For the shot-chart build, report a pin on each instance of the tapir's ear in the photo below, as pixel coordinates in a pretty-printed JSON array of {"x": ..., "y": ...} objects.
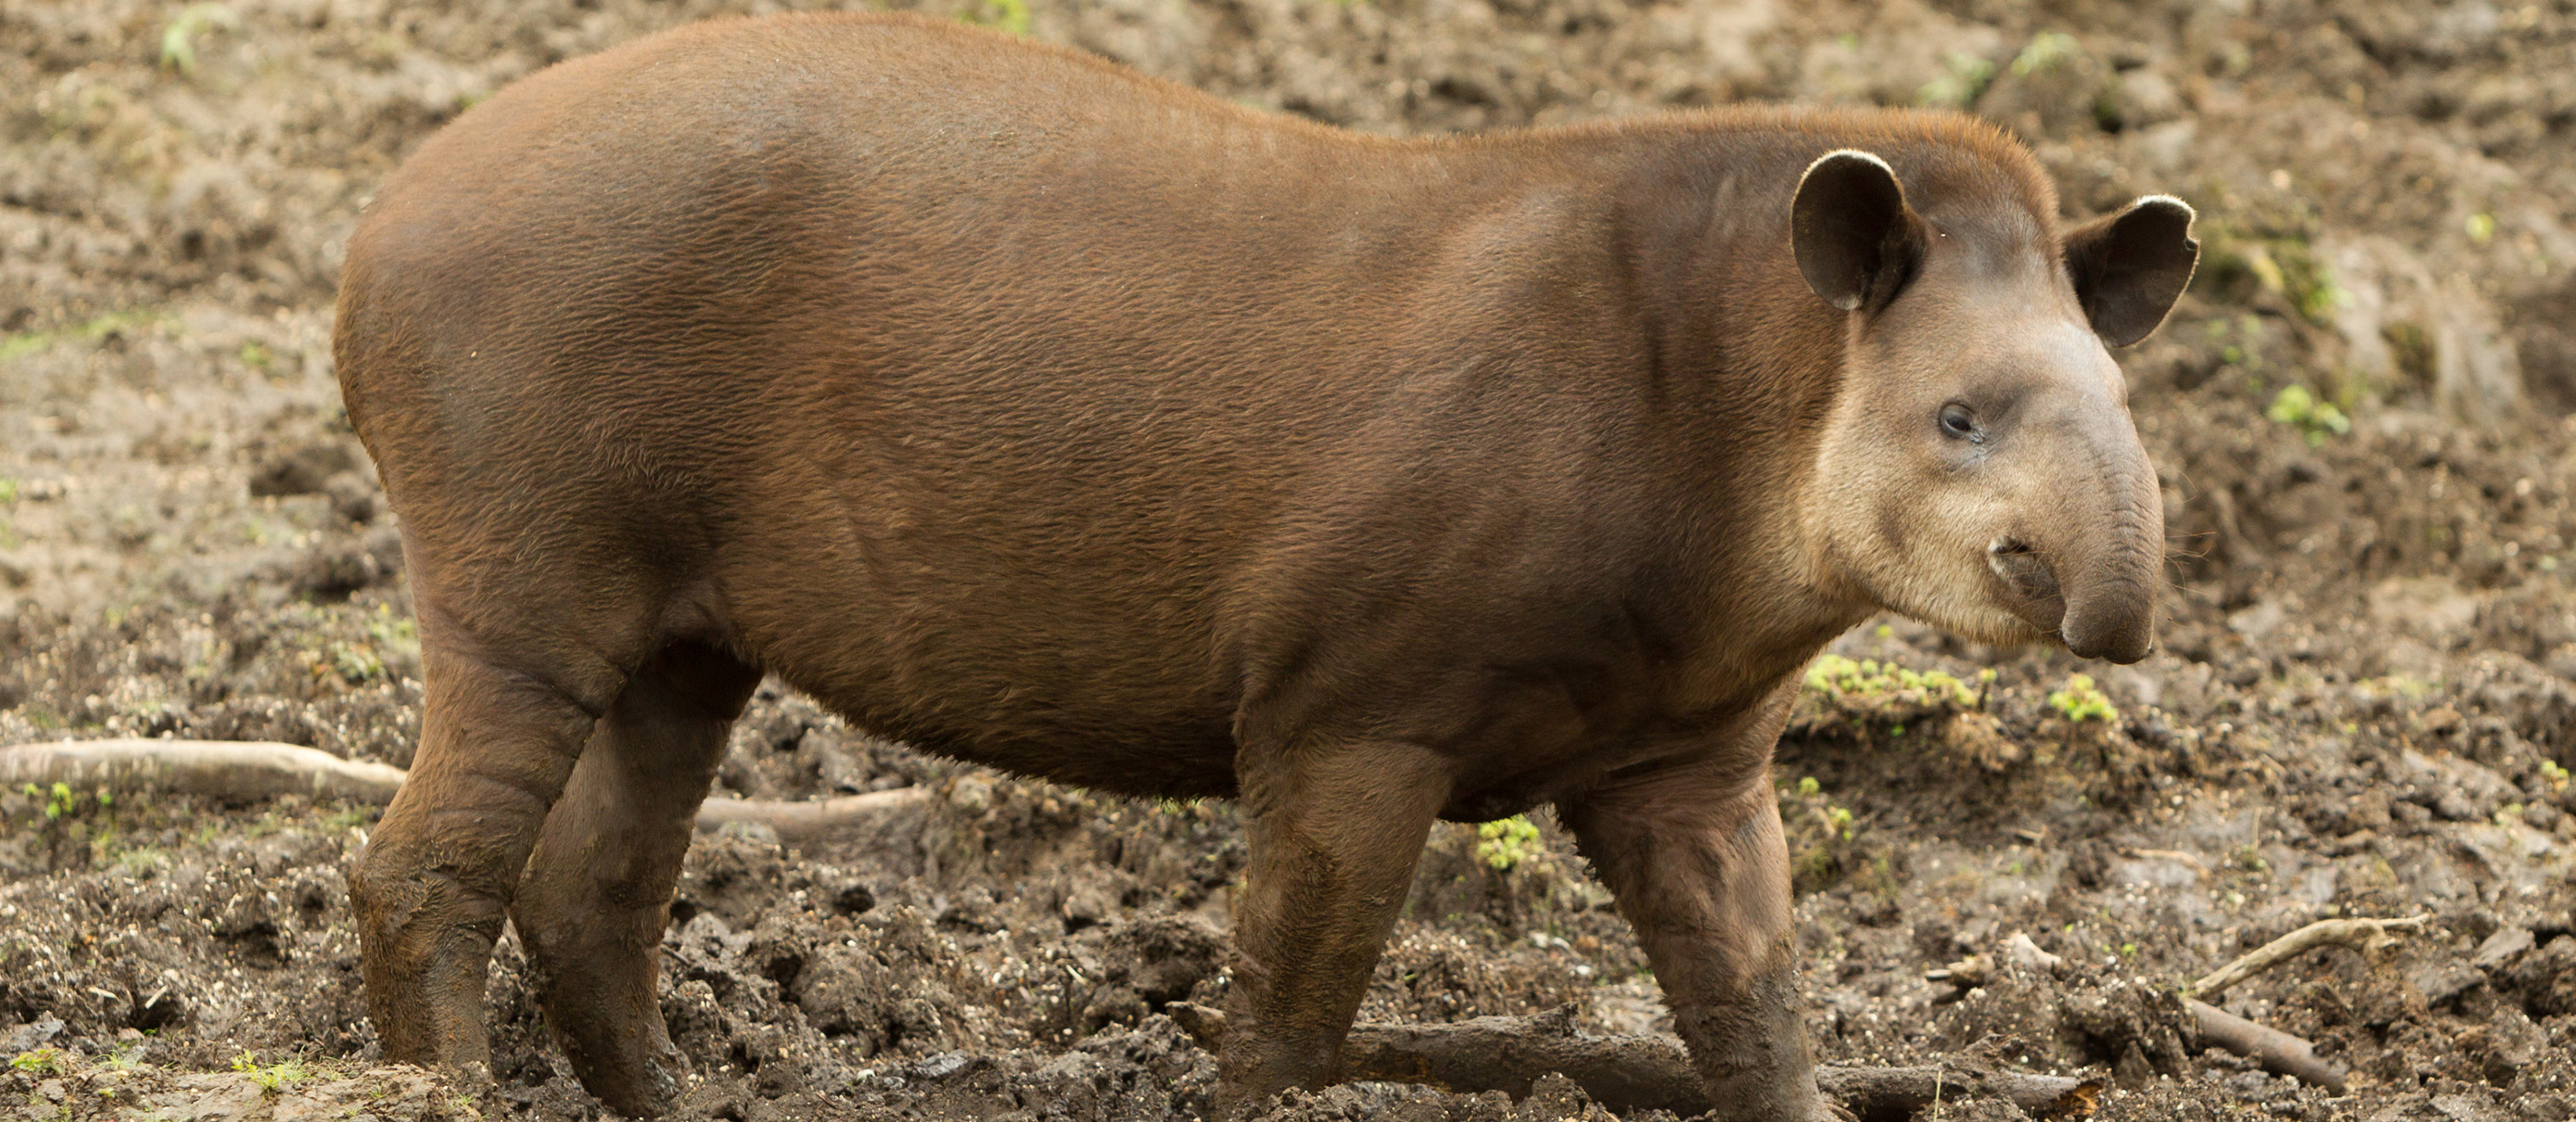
[
  {"x": 1856, "y": 242},
  {"x": 2130, "y": 267}
]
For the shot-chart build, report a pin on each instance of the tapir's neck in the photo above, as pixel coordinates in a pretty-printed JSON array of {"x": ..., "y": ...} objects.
[{"x": 1750, "y": 363}]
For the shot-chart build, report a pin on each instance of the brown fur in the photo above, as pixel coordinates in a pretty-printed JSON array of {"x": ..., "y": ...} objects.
[{"x": 1050, "y": 416}]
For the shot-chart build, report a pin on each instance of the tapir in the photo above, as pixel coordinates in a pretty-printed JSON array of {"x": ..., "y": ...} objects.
[{"x": 1049, "y": 416}]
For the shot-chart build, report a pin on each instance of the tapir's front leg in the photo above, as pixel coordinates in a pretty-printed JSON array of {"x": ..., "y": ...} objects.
[
  {"x": 1693, "y": 851},
  {"x": 1334, "y": 832}
]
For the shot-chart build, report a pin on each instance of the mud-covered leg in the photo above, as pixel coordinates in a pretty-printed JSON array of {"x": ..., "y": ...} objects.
[
  {"x": 1334, "y": 837},
  {"x": 430, "y": 895},
  {"x": 1694, "y": 855},
  {"x": 597, "y": 893}
]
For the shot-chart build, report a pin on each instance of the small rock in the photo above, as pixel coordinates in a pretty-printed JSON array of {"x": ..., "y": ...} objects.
[
  {"x": 2501, "y": 947},
  {"x": 29, "y": 1036},
  {"x": 940, "y": 1066},
  {"x": 2445, "y": 983}
]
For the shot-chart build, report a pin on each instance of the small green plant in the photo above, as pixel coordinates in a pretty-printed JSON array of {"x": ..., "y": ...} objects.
[
  {"x": 2481, "y": 227},
  {"x": 394, "y": 634},
  {"x": 2047, "y": 51},
  {"x": 141, "y": 859},
  {"x": 1001, "y": 15},
  {"x": 356, "y": 663},
  {"x": 2556, "y": 775},
  {"x": 2315, "y": 419},
  {"x": 96, "y": 329},
  {"x": 256, "y": 356},
  {"x": 1960, "y": 84},
  {"x": 179, "y": 36},
  {"x": 348, "y": 816},
  {"x": 1507, "y": 843},
  {"x": 1822, "y": 836},
  {"x": 60, "y": 801},
  {"x": 126, "y": 1058},
  {"x": 2080, "y": 701},
  {"x": 271, "y": 1078},
  {"x": 40, "y": 1061},
  {"x": 8, "y": 490}
]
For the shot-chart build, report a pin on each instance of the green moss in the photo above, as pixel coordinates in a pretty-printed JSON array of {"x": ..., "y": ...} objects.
[
  {"x": 2047, "y": 51},
  {"x": 93, "y": 330},
  {"x": 1508, "y": 843},
  {"x": 1834, "y": 675},
  {"x": 179, "y": 35},
  {"x": 2300, "y": 409},
  {"x": 2080, "y": 701},
  {"x": 1002, "y": 15},
  {"x": 1960, "y": 84}
]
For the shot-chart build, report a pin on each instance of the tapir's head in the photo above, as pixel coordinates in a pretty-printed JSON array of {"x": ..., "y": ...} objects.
[{"x": 1979, "y": 470}]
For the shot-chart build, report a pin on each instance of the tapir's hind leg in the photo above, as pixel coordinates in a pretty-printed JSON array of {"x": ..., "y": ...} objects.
[
  {"x": 598, "y": 889},
  {"x": 502, "y": 726},
  {"x": 1334, "y": 833}
]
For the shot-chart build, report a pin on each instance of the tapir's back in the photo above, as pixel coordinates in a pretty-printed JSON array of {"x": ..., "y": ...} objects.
[{"x": 927, "y": 369}]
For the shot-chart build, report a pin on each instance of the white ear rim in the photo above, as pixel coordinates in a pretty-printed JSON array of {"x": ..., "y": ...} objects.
[
  {"x": 2189, "y": 215},
  {"x": 1869, "y": 156}
]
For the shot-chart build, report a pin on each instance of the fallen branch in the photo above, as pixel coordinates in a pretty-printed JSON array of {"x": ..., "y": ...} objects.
[
  {"x": 1621, "y": 1072},
  {"x": 2322, "y": 933},
  {"x": 233, "y": 771},
  {"x": 798, "y": 820},
  {"x": 249, "y": 771},
  {"x": 2278, "y": 1052}
]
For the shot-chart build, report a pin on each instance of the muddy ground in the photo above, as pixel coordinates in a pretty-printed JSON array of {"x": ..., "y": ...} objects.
[{"x": 2365, "y": 705}]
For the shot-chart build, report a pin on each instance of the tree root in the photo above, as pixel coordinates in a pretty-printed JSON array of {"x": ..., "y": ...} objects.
[
  {"x": 2322, "y": 933},
  {"x": 250, "y": 771},
  {"x": 1625, "y": 1072}
]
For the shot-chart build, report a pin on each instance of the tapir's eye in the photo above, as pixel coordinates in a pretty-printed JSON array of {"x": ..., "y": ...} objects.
[{"x": 1958, "y": 422}]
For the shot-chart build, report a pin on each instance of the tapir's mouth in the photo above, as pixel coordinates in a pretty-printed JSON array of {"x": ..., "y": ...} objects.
[{"x": 2025, "y": 585}]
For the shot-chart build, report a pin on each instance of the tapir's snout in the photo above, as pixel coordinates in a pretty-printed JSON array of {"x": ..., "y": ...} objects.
[
  {"x": 2085, "y": 570},
  {"x": 2116, "y": 622},
  {"x": 2123, "y": 636}
]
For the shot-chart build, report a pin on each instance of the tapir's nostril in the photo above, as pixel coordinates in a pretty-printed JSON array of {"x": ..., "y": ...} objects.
[{"x": 2021, "y": 567}]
